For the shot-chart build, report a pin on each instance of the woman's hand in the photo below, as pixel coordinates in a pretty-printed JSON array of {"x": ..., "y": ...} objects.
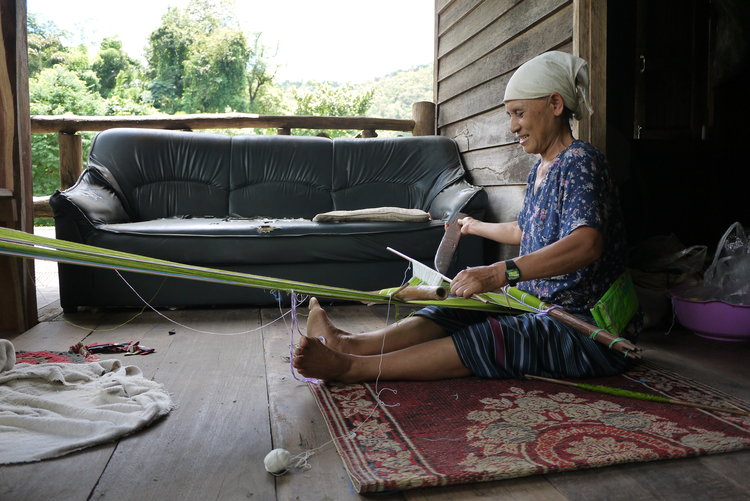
[
  {"x": 467, "y": 224},
  {"x": 478, "y": 279}
]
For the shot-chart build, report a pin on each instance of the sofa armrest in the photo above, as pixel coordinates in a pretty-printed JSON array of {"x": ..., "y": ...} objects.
[
  {"x": 459, "y": 197},
  {"x": 92, "y": 201}
]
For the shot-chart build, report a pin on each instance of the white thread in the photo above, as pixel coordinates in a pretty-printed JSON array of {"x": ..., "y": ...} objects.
[
  {"x": 277, "y": 461},
  {"x": 191, "y": 328}
]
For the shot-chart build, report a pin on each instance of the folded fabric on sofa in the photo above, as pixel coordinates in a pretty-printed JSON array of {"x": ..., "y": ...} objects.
[{"x": 394, "y": 214}]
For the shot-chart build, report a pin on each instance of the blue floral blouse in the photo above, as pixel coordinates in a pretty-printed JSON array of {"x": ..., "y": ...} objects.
[{"x": 578, "y": 190}]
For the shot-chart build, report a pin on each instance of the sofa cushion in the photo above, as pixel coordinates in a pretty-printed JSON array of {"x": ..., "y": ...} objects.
[
  {"x": 280, "y": 176},
  {"x": 166, "y": 173},
  {"x": 232, "y": 242},
  {"x": 396, "y": 172}
]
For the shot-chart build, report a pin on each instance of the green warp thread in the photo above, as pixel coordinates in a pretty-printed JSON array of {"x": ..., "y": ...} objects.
[{"x": 622, "y": 393}]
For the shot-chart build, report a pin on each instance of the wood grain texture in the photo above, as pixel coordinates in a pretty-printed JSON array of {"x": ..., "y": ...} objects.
[
  {"x": 7, "y": 117},
  {"x": 453, "y": 12},
  {"x": 296, "y": 422},
  {"x": 236, "y": 400},
  {"x": 456, "y": 77},
  {"x": 213, "y": 444},
  {"x": 499, "y": 166},
  {"x": 473, "y": 21},
  {"x": 522, "y": 19},
  {"x": 491, "y": 128},
  {"x": 71, "y": 158},
  {"x": 71, "y": 124}
]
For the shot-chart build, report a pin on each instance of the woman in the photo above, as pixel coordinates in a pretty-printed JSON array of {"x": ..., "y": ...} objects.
[{"x": 571, "y": 238}]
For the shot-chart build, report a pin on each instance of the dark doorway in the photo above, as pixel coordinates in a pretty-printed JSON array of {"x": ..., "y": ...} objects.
[{"x": 678, "y": 111}]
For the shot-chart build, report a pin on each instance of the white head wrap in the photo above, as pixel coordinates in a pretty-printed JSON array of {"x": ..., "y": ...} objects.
[{"x": 554, "y": 71}]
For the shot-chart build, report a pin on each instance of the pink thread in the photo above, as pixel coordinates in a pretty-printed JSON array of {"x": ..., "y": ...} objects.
[{"x": 546, "y": 311}]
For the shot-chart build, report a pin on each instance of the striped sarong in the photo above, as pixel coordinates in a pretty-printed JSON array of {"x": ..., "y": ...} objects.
[{"x": 508, "y": 346}]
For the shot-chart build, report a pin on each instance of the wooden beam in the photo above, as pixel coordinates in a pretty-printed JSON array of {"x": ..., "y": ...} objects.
[
  {"x": 71, "y": 158},
  {"x": 590, "y": 43},
  {"x": 73, "y": 123},
  {"x": 42, "y": 207}
]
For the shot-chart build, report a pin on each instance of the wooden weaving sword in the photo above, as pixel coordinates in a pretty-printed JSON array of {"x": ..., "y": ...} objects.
[{"x": 447, "y": 248}]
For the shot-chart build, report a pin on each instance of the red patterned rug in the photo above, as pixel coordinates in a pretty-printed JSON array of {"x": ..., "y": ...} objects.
[
  {"x": 476, "y": 430},
  {"x": 43, "y": 357}
]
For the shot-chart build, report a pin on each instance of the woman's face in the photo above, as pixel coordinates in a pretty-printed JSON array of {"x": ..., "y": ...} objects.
[{"x": 534, "y": 122}]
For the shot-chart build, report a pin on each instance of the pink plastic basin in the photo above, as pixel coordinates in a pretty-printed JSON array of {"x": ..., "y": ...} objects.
[{"x": 713, "y": 319}]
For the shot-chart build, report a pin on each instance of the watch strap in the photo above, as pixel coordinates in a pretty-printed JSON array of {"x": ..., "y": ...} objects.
[{"x": 512, "y": 273}]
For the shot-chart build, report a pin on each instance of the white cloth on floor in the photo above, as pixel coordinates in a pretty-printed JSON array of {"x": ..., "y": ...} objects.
[
  {"x": 52, "y": 409},
  {"x": 7, "y": 355}
]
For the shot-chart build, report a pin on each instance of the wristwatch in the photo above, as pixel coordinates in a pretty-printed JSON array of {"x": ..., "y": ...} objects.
[{"x": 512, "y": 273}]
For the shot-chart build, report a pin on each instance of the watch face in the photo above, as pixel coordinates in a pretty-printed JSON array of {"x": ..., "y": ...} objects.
[{"x": 512, "y": 274}]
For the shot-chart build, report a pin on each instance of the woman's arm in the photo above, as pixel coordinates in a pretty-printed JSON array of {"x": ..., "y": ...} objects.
[
  {"x": 504, "y": 233},
  {"x": 580, "y": 248}
]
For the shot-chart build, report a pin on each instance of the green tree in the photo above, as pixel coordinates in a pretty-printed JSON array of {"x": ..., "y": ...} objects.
[
  {"x": 327, "y": 99},
  {"x": 260, "y": 79},
  {"x": 45, "y": 45},
  {"x": 396, "y": 93},
  {"x": 214, "y": 78},
  {"x": 200, "y": 61},
  {"x": 168, "y": 47},
  {"x": 109, "y": 63},
  {"x": 56, "y": 91}
]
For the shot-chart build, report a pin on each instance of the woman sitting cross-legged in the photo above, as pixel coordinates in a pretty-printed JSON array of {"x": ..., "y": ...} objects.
[{"x": 572, "y": 248}]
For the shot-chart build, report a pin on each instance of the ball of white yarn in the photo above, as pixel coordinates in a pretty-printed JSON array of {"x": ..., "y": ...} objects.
[{"x": 277, "y": 461}]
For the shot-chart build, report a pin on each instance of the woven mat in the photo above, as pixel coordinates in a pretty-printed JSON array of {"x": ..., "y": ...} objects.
[{"x": 476, "y": 430}]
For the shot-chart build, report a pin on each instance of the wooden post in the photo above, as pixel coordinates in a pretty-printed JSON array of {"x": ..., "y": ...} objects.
[
  {"x": 18, "y": 310},
  {"x": 590, "y": 43},
  {"x": 7, "y": 122},
  {"x": 284, "y": 131},
  {"x": 423, "y": 113},
  {"x": 71, "y": 158}
]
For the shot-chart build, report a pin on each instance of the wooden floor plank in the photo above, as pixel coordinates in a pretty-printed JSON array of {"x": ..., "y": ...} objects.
[
  {"x": 211, "y": 445},
  {"x": 515, "y": 489},
  {"x": 296, "y": 422}
]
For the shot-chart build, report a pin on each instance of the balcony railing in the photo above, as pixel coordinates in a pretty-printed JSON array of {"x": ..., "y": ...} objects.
[{"x": 70, "y": 146}]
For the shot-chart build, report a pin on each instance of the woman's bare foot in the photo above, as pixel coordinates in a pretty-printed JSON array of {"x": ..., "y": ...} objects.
[
  {"x": 315, "y": 360},
  {"x": 320, "y": 326}
]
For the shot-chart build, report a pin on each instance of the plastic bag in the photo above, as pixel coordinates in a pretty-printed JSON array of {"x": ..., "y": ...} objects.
[
  {"x": 663, "y": 262},
  {"x": 728, "y": 276}
]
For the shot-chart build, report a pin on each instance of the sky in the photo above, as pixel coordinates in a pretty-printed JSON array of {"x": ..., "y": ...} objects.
[{"x": 335, "y": 40}]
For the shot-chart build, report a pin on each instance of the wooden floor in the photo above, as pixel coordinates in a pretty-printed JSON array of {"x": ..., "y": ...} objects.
[{"x": 236, "y": 400}]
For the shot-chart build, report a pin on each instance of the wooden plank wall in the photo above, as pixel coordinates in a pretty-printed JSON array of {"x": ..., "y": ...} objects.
[
  {"x": 18, "y": 310},
  {"x": 479, "y": 43}
]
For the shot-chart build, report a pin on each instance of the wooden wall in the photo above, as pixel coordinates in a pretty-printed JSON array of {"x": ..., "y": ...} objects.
[
  {"x": 18, "y": 310},
  {"x": 479, "y": 43}
]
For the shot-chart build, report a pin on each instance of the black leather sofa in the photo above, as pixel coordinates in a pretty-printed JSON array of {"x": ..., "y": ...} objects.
[{"x": 246, "y": 203}]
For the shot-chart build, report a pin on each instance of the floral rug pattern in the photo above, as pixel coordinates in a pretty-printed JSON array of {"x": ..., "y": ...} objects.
[{"x": 475, "y": 430}]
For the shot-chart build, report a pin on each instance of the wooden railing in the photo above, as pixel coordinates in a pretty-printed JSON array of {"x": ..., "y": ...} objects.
[{"x": 70, "y": 146}]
